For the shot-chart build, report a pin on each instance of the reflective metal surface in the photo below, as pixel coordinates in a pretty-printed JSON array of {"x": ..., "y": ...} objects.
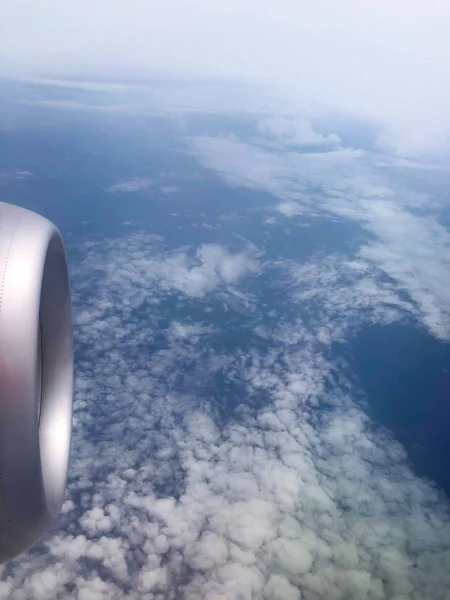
[
  {"x": 39, "y": 369},
  {"x": 36, "y": 377}
]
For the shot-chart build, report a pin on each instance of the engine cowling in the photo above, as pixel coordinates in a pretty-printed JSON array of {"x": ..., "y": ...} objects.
[{"x": 36, "y": 377}]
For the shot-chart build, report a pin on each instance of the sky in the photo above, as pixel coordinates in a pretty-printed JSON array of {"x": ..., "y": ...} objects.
[{"x": 383, "y": 59}]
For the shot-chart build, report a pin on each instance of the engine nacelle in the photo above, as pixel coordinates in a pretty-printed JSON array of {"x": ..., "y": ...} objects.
[{"x": 36, "y": 377}]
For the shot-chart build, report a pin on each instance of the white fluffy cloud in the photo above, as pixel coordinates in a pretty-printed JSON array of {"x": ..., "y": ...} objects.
[
  {"x": 296, "y": 132},
  {"x": 131, "y": 185},
  {"x": 192, "y": 273}
]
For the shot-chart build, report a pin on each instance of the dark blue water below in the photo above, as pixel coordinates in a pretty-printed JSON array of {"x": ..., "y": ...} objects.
[{"x": 405, "y": 374}]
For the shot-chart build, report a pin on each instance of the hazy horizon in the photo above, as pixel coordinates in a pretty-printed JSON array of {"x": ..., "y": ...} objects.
[{"x": 382, "y": 60}]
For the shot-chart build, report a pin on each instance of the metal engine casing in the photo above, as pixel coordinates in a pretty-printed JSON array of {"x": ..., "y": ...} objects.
[{"x": 36, "y": 377}]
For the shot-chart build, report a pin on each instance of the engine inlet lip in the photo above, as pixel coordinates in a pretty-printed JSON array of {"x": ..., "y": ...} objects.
[{"x": 36, "y": 377}]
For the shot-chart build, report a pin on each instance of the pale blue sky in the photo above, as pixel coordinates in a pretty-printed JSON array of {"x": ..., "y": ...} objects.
[{"x": 385, "y": 59}]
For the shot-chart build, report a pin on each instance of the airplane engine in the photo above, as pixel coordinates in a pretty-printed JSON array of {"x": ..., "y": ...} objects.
[{"x": 36, "y": 377}]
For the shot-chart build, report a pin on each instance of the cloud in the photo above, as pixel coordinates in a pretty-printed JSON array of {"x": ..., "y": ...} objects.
[
  {"x": 273, "y": 499},
  {"x": 342, "y": 56},
  {"x": 296, "y": 132},
  {"x": 16, "y": 174},
  {"x": 406, "y": 163},
  {"x": 289, "y": 176},
  {"x": 183, "y": 331},
  {"x": 137, "y": 184},
  {"x": 289, "y": 209},
  {"x": 169, "y": 189},
  {"x": 337, "y": 295},
  {"x": 408, "y": 243},
  {"x": 75, "y": 105}
]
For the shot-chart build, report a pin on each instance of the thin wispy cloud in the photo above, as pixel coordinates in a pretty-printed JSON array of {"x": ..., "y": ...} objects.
[
  {"x": 140, "y": 184},
  {"x": 410, "y": 247},
  {"x": 15, "y": 174}
]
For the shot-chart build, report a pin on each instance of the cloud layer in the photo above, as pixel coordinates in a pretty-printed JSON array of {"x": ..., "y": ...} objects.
[
  {"x": 221, "y": 449},
  {"x": 279, "y": 498},
  {"x": 409, "y": 244}
]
